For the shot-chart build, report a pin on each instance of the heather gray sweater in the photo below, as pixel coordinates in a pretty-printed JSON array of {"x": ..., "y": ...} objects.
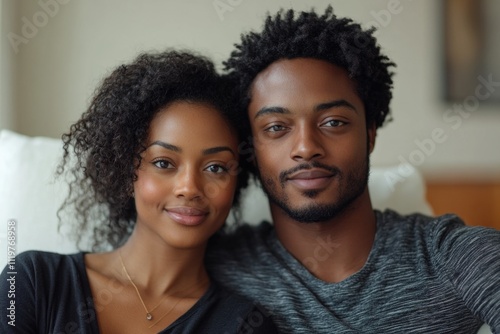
[{"x": 423, "y": 275}]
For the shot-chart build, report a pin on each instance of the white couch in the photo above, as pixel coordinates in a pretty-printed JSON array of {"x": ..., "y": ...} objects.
[{"x": 30, "y": 195}]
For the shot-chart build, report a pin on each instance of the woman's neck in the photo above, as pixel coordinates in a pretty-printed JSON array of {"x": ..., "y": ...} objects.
[{"x": 156, "y": 268}]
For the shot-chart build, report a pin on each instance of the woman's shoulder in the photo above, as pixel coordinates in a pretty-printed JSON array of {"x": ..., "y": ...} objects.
[
  {"x": 43, "y": 273},
  {"x": 46, "y": 258},
  {"x": 44, "y": 263}
]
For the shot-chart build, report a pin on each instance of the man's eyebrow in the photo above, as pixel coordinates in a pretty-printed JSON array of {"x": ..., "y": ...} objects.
[
  {"x": 334, "y": 104},
  {"x": 319, "y": 107},
  {"x": 218, "y": 149},
  {"x": 166, "y": 145},
  {"x": 271, "y": 110}
]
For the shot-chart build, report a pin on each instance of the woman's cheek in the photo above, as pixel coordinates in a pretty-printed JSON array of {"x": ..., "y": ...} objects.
[
  {"x": 226, "y": 195},
  {"x": 149, "y": 188}
]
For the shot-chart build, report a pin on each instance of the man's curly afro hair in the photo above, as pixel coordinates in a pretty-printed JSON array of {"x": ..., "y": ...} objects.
[
  {"x": 339, "y": 41},
  {"x": 102, "y": 150}
]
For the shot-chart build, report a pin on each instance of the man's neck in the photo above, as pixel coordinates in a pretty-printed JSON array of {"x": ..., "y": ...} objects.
[{"x": 333, "y": 250}]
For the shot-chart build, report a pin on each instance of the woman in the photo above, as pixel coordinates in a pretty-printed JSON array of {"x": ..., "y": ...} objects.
[{"x": 157, "y": 166}]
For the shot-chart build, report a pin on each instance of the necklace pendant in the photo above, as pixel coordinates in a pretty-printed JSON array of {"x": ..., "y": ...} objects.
[{"x": 149, "y": 316}]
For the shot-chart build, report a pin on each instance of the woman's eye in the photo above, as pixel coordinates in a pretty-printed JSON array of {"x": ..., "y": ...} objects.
[
  {"x": 216, "y": 169},
  {"x": 275, "y": 128},
  {"x": 334, "y": 123},
  {"x": 162, "y": 164}
]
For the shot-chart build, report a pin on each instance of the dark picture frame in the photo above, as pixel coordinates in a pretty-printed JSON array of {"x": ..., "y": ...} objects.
[{"x": 471, "y": 46}]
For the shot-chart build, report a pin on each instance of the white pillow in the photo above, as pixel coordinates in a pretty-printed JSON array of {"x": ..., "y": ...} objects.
[{"x": 30, "y": 195}]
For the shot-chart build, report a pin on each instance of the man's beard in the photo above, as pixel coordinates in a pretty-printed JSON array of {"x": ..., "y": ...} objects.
[{"x": 351, "y": 185}]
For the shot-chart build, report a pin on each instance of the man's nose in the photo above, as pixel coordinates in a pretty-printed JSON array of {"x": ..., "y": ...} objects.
[{"x": 307, "y": 143}]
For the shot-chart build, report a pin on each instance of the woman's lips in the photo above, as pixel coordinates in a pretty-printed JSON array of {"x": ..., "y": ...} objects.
[{"x": 188, "y": 216}]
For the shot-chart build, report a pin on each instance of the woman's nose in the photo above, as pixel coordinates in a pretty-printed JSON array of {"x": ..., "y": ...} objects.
[{"x": 187, "y": 184}]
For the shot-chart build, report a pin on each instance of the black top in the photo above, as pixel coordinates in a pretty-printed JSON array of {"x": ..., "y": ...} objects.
[{"x": 50, "y": 293}]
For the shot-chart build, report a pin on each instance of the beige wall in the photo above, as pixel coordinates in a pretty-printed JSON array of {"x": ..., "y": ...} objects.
[
  {"x": 63, "y": 60},
  {"x": 8, "y": 12}
]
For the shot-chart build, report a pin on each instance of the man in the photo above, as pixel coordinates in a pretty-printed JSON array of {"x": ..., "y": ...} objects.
[{"x": 315, "y": 90}]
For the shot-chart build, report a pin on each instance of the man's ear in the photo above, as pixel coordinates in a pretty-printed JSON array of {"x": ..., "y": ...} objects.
[{"x": 372, "y": 133}]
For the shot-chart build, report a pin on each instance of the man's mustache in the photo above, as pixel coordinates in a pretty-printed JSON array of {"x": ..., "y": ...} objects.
[{"x": 307, "y": 166}]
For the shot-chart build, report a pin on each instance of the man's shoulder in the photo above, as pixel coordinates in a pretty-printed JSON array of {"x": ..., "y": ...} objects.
[
  {"x": 247, "y": 245},
  {"x": 433, "y": 232},
  {"x": 241, "y": 236},
  {"x": 416, "y": 222}
]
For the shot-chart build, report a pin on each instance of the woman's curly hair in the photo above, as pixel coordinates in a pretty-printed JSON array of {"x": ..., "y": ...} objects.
[
  {"x": 339, "y": 41},
  {"x": 102, "y": 149}
]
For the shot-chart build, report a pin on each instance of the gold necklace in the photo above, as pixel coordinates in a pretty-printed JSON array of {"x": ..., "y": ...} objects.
[
  {"x": 177, "y": 302},
  {"x": 149, "y": 315}
]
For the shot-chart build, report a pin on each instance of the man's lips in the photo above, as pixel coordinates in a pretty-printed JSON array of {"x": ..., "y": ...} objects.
[
  {"x": 311, "y": 179},
  {"x": 188, "y": 216},
  {"x": 310, "y": 174}
]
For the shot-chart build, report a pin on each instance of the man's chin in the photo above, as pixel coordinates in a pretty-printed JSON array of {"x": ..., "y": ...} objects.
[{"x": 315, "y": 213}]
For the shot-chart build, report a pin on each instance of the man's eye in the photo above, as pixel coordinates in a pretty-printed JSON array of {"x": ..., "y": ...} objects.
[
  {"x": 216, "y": 169},
  {"x": 334, "y": 123},
  {"x": 275, "y": 128},
  {"x": 162, "y": 164}
]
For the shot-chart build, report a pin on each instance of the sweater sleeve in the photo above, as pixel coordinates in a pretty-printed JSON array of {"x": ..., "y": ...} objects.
[
  {"x": 469, "y": 258},
  {"x": 17, "y": 302}
]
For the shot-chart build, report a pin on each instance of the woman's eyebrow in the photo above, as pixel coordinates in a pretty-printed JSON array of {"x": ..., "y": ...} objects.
[
  {"x": 208, "y": 151},
  {"x": 166, "y": 145},
  {"x": 218, "y": 149}
]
